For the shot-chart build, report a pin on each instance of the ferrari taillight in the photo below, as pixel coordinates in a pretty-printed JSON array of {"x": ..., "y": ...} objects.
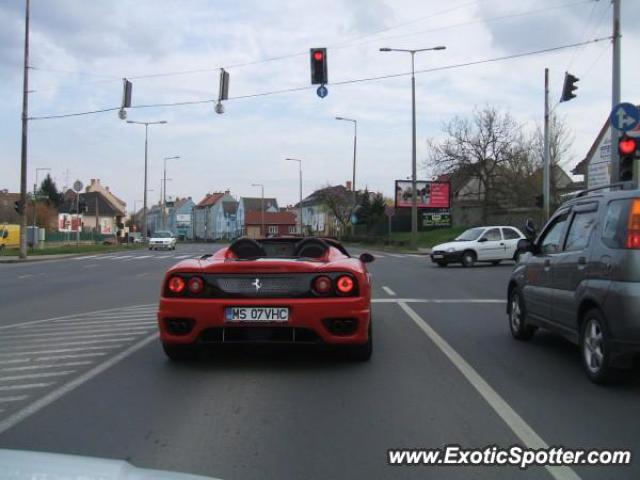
[
  {"x": 195, "y": 285},
  {"x": 322, "y": 285},
  {"x": 345, "y": 284},
  {"x": 176, "y": 285}
]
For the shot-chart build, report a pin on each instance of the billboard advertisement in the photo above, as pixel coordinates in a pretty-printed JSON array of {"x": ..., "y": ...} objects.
[{"x": 430, "y": 194}]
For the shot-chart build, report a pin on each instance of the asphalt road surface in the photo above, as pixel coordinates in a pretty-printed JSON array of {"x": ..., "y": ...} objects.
[{"x": 82, "y": 372}]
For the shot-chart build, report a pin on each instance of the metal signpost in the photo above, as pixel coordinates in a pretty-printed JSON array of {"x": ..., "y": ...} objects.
[{"x": 77, "y": 187}]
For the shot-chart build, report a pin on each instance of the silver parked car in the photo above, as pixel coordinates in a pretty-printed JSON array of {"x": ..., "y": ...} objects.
[{"x": 581, "y": 279}]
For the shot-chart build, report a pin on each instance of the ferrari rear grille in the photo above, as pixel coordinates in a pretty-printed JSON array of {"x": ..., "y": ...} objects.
[
  {"x": 264, "y": 285},
  {"x": 259, "y": 335}
]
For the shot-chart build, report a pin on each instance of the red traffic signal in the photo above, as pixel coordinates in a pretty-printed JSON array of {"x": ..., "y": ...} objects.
[
  {"x": 319, "y": 73},
  {"x": 627, "y": 145}
]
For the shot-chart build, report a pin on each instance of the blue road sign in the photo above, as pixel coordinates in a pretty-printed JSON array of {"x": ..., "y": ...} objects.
[
  {"x": 322, "y": 91},
  {"x": 625, "y": 117}
]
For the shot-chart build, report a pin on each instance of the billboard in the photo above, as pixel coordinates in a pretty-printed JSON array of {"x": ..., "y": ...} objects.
[{"x": 430, "y": 194}]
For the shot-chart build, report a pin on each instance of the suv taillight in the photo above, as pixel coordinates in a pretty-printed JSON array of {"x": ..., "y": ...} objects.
[{"x": 633, "y": 227}]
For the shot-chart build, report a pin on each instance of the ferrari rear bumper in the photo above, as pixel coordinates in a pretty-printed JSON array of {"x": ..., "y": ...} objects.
[{"x": 334, "y": 321}]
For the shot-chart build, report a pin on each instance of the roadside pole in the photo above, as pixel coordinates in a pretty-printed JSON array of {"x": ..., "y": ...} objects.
[
  {"x": 23, "y": 146},
  {"x": 546, "y": 182},
  {"x": 615, "y": 90},
  {"x": 77, "y": 219}
]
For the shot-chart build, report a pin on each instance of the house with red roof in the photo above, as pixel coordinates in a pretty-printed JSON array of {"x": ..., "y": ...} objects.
[
  {"x": 206, "y": 213},
  {"x": 275, "y": 224}
]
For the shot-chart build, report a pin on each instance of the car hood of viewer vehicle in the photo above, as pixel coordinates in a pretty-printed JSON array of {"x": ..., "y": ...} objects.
[{"x": 23, "y": 465}]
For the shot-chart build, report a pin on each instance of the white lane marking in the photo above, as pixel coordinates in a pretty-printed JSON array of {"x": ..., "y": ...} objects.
[
  {"x": 29, "y": 376},
  {"x": 64, "y": 357},
  {"x": 28, "y": 275},
  {"x": 109, "y": 323},
  {"x": 514, "y": 421},
  {"x": 15, "y": 398},
  {"x": 62, "y": 350},
  {"x": 70, "y": 334},
  {"x": 438, "y": 300},
  {"x": 91, "y": 265},
  {"x": 140, "y": 314},
  {"x": 16, "y": 349},
  {"x": 138, "y": 257},
  {"x": 98, "y": 328},
  {"x": 85, "y": 257},
  {"x": 122, "y": 257},
  {"x": 182, "y": 256},
  {"x": 32, "y": 322},
  {"x": 395, "y": 255},
  {"x": 66, "y": 388},
  {"x": 377, "y": 255},
  {"x": 388, "y": 291},
  {"x": 6, "y": 388},
  {"x": 51, "y": 365},
  {"x": 164, "y": 256},
  {"x": 105, "y": 257},
  {"x": 140, "y": 275}
]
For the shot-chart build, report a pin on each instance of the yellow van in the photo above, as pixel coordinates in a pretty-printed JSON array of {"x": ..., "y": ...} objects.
[{"x": 9, "y": 236}]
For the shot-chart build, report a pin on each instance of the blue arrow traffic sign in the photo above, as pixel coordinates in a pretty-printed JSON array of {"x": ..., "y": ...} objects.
[
  {"x": 322, "y": 91},
  {"x": 625, "y": 117}
]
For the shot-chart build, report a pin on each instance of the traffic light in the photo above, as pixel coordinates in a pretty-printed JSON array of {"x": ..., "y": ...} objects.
[
  {"x": 17, "y": 206},
  {"x": 569, "y": 87},
  {"x": 628, "y": 149},
  {"x": 319, "y": 74}
]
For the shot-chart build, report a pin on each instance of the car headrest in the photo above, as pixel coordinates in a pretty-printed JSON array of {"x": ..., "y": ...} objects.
[
  {"x": 247, "y": 248},
  {"x": 311, "y": 248}
]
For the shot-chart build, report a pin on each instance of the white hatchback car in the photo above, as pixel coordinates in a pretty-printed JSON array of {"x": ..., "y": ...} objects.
[
  {"x": 162, "y": 240},
  {"x": 479, "y": 244}
]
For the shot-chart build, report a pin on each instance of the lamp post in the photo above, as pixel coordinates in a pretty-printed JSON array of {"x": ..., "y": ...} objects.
[
  {"x": 146, "y": 150},
  {"x": 300, "y": 202},
  {"x": 164, "y": 191},
  {"x": 414, "y": 195},
  {"x": 355, "y": 143},
  {"x": 261, "y": 206},
  {"x": 35, "y": 194}
]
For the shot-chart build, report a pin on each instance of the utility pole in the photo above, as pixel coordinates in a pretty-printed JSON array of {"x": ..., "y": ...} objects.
[
  {"x": 546, "y": 176},
  {"x": 146, "y": 143},
  {"x": 353, "y": 180},
  {"x": 35, "y": 199},
  {"x": 23, "y": 147},
  {"x": 300, "y": 201},
  {"x": 414, "y": 196},
  {"x": 164, "y": 192},
  {"x": 615, "y": 90}
]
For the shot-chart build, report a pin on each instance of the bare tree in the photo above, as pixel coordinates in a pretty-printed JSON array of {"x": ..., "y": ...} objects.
[
  {"x": 339, "y": 203},
  {"x": 489, "y": 149}
]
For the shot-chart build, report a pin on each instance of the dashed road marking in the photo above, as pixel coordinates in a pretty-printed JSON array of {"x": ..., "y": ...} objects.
[{"x": 388, "y": 291}]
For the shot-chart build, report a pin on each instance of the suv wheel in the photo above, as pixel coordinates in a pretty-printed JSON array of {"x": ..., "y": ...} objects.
[
  {"x": 468, "y": 258},
  {"x": 594, "y": 346},
  {"x": 517, "y": 317}
]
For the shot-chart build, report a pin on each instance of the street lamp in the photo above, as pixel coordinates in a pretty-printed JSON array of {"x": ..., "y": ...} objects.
[
  {"x": 355, "y": 143},
  {"x": 146, "y": 142},
  {"x": 164, "y": 191},
  {"x": 414, "y": 196},
  {"x": 35, "y": 193},
  {"x": 261, "y": 205},
  {"x": 300, "y": 203}
]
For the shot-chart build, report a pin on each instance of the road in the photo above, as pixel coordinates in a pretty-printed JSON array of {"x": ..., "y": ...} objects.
[{"x": 445, "y": 371}]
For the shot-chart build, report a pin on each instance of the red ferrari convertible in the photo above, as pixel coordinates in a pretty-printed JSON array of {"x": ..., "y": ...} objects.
[{"x": 275, "y": 290}]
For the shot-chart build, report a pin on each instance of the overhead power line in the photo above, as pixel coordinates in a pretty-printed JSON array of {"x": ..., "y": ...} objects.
[
  {"x": 343, "y": 45},
  {"x": 339, "y": 83}
]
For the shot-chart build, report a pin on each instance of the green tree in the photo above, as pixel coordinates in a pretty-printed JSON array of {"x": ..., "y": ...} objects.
[{"x": 49, "y": 189}]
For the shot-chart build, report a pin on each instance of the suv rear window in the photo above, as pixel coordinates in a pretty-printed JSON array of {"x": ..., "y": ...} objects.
[{"x": 614, "y": 231}]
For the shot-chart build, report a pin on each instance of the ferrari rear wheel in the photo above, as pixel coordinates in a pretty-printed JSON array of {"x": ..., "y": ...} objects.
[
  {"x": 179, "y": 353},
  {"x": 362, "y": 353}
]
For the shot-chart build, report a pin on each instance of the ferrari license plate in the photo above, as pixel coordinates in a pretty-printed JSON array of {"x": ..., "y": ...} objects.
[{"x": 257, "y": 314}]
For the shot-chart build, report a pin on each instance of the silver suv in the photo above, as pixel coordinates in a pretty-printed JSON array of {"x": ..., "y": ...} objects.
[{"x": 581, "y": 278}]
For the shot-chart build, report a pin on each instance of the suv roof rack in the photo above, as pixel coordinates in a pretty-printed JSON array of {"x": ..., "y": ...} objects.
[{"x": 620, "y": 185}]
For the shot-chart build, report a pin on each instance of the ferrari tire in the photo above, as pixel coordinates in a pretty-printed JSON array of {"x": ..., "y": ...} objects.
[{"x": 179, "y": 353}]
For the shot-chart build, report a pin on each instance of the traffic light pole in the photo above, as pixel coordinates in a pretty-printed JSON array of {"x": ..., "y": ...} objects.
[
  {"x": 23, "y": 149},
  {"x": 546, "y": 187},
  {"x": 414, "y": 193},
  {"x": 615, "y": 90}
]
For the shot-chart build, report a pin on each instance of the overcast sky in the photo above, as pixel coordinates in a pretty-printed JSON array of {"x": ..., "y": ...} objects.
[{"x": 80, "y": 50}]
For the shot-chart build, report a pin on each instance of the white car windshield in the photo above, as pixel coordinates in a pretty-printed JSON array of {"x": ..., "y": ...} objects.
[
  {"x": 162, "y": 235},
  {"x": 469, "y": 235}
]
